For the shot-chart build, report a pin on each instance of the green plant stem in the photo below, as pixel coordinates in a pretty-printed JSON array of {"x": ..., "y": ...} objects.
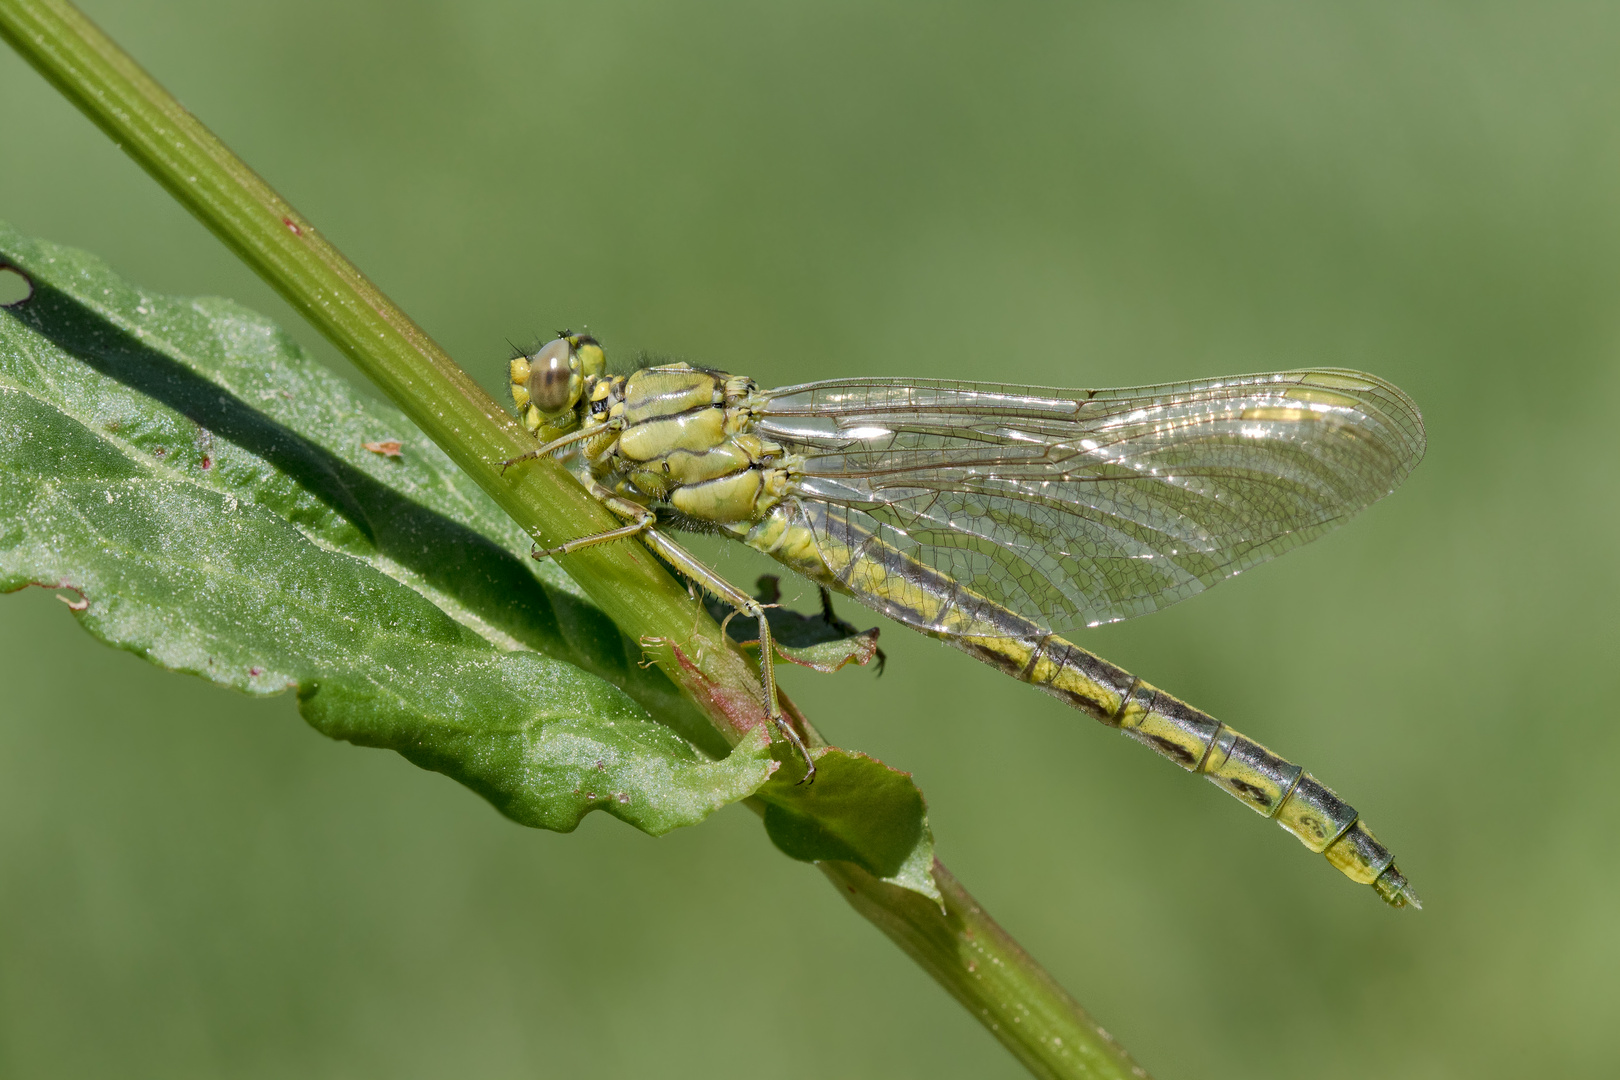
[
  {"x": 960, "y": 947},
  {"x": 982, "y": 967}
]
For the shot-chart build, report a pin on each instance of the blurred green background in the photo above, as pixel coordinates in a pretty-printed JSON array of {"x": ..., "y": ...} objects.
[{"x": 194, "y": 884}]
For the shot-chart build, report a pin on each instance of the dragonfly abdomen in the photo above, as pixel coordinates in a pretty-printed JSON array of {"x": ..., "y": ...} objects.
[
  {"x": 1265, "y": 782},
  {"x": 938, "y": 606},
  {"x": 1271, "y": 785}
]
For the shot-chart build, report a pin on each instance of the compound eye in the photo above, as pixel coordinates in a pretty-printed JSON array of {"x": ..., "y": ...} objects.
[{"x": 553, "y": 386}]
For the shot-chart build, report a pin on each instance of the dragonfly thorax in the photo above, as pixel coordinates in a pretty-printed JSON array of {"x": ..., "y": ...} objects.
[{"x": 682, "y": 437}]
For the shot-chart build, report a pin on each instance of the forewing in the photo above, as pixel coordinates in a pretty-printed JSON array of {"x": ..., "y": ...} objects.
[{"x": 1075, "y": 507}]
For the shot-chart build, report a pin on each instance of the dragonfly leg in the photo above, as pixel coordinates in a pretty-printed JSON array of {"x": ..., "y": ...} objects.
[
  {"x": 635, "y": 528},
  {"x": 509, "y": 462},
  {"x": 557, "y": 444},
  {"x": 689, "y": 566},
  {"x": 640, "y": 518}
]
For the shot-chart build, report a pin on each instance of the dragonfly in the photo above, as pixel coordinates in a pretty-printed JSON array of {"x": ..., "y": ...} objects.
[{"x": 996, "y": 517}]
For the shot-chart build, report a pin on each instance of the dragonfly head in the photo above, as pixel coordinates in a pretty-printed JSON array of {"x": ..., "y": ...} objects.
[{"x": 548, "y": 383}]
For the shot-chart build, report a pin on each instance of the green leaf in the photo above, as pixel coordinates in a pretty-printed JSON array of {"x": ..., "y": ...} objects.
[
  {"x": 859, "y": 810},
  {"x": 830, "y": 656},
  {"x": 205, "y": 491}
]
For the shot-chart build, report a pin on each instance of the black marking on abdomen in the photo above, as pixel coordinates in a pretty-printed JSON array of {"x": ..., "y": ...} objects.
[
  {"x": 1171, "y": 749},
  {"x": 1257, "y": 794}
]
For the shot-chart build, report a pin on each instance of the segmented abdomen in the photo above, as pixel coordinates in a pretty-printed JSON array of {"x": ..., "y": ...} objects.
[
  {"x": 1268, "y": 784},
  {"x": 921, "y": 596}
]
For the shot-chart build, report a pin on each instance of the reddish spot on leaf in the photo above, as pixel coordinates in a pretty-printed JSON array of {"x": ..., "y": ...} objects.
[
  {"x": 387, "y": 448},
  {"x": 255, "y": 671},
  {"x": 208, "y": 462},
  {"x": 77, "y": 605},
  {"x": 293, "y": 225}
]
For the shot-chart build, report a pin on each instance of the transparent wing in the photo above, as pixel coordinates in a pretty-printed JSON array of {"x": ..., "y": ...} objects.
[{"x": 1080, "y": 507}]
